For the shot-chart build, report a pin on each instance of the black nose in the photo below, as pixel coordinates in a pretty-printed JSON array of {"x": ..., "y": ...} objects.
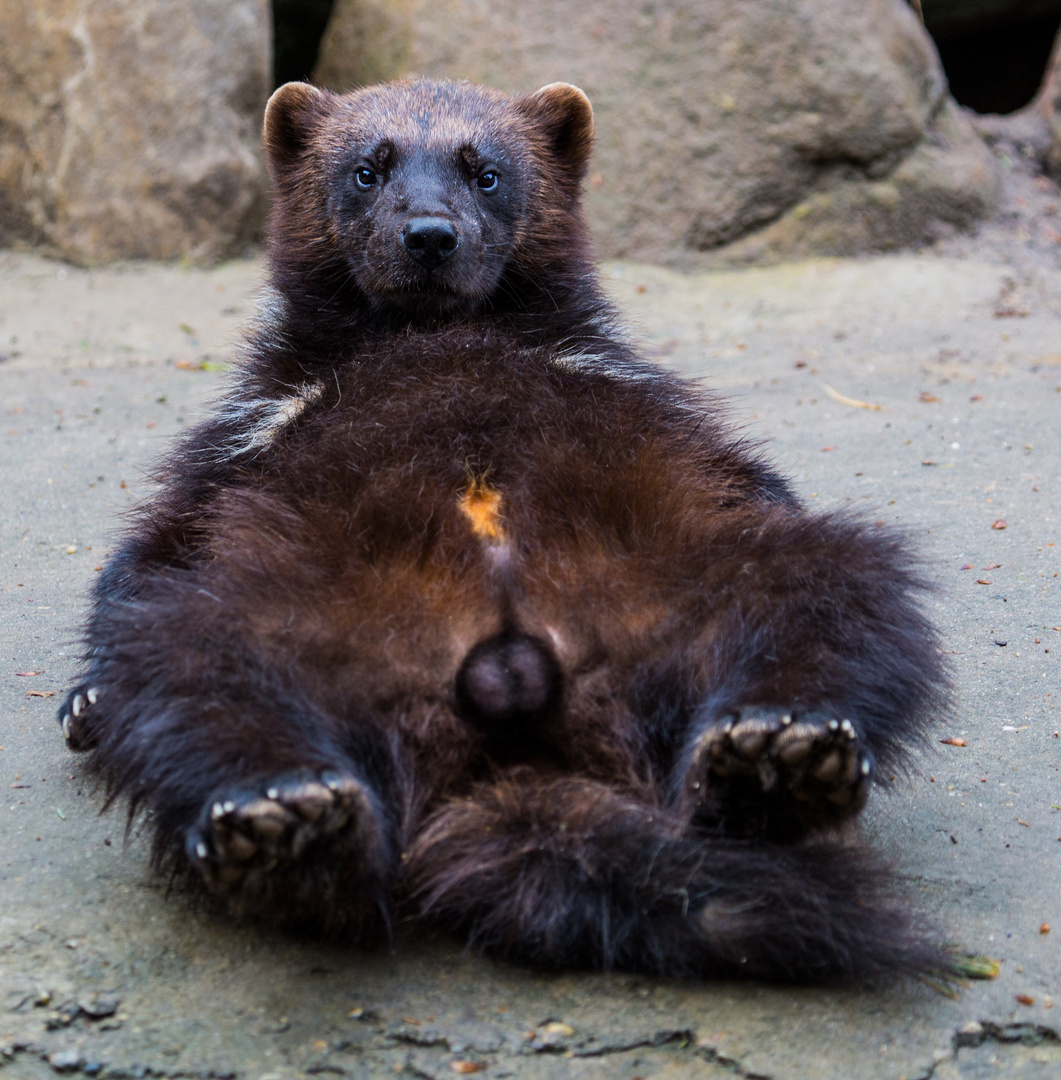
[{"x": 430, "y": 240}]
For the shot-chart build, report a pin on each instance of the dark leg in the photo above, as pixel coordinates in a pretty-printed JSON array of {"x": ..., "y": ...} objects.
[
  {"x": 284, "y": 803},
  {"x": 167, "y": 536},
  {"x": 819, "y": 669},
  {"x": 308, "y": 847}
]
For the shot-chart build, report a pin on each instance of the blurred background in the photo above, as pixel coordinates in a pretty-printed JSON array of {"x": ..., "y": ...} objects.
[{"x": 727, "y": 133}]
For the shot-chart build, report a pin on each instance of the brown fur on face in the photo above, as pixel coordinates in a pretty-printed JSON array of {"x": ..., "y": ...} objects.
[
  {"x": 423, "y": 150},
  {"x": 458, "y": 610}
]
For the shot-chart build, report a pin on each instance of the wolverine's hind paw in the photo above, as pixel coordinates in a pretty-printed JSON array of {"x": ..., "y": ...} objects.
[
  {"x": 247, "y": 833},
  {"x": 77, "y": 717},
  {"x": 813, "y": 757}
]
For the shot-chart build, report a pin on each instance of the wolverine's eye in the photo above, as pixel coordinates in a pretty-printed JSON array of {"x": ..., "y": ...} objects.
[
  {"x": 487, "y": 181},
  {"x": 365, "y": 178}
]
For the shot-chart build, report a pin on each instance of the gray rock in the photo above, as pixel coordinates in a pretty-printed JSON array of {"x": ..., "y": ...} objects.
[
  {"x": 65, "y": 1060},
  {"x": 98, "y": 1004},
  {"x": 827, "y": 124},
  {"x": 949, "y": 181},
  {"x": 129, "y": 128}
]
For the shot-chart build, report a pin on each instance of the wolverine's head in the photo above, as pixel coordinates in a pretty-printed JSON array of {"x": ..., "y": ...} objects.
[{"x": 426, "y": 191}]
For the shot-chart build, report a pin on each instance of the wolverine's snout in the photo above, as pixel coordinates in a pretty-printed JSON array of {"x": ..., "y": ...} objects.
[{"x": 430, "y": 240}]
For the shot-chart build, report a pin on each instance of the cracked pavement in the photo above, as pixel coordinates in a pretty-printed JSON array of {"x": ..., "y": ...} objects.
[{"x": 105, "y": 973}]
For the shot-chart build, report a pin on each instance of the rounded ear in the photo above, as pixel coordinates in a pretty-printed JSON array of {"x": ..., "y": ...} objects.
[
  {"x": 564, "y": 113},
  {"x": 288, "y": 120}
]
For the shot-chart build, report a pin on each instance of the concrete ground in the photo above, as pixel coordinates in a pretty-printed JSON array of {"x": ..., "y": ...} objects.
[{"x": 920, "y": 389}]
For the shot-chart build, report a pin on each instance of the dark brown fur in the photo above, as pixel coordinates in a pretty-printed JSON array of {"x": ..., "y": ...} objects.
[{"x": 459, "y": 610}]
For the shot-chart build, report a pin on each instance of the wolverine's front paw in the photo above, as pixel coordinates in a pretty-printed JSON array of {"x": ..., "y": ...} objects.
[
  {"x": 78, "y": 716},
  {"x": 249, "y": 835},
  {"x": 812, "y": 757}
]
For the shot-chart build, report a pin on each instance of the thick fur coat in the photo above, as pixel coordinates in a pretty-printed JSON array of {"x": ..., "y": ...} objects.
[{"x": 458, "y": 611}]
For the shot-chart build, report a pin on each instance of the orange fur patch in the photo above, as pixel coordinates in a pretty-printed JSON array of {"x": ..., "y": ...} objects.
[{"x": 481, "y": 505}]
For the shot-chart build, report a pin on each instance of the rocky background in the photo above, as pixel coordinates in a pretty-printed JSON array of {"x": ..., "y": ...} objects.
[
  {"x": 727, "y": 133},
  {"x": 129, "y": 128}
]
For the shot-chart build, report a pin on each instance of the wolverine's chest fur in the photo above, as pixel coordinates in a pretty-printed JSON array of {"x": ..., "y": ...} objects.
[
  {"x": 460, "y": 436},
  {"x": 391, "y": 442},
  {"x": 454, "y": 484}
]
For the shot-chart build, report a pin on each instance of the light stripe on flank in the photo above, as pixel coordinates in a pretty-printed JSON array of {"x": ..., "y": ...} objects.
[
  {"x": 260, "y": 420},
  {"x": 585, "y": 360},
  {"x": 481, "y": 505}
]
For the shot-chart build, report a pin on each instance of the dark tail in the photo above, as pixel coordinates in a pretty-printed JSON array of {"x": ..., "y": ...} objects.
[{"x": 568, "y": 873}]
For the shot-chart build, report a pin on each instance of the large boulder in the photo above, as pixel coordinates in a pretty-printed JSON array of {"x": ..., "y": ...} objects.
[
  {"x": 130, "y": 128},
  {"x": 825, "y": 122}
]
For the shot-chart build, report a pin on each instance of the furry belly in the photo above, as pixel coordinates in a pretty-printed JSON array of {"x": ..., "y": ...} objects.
[{"x": 473, "y": 613}]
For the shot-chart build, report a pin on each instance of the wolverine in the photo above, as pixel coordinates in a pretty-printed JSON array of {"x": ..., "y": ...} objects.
[{"x": 458, "y": 612}]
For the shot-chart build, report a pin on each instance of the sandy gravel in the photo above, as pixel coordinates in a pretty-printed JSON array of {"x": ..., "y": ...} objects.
[{"x": 958, "y": 352}]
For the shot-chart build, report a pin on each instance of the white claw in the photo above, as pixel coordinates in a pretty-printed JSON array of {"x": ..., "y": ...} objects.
[
  {"x": 333, "y": 785},
  {"x": 79, "y": 702},
  {"x": 67, "y": 727},
  {"x": 786, "y": 719},
  {"x": 201, "y": 850},
  {"x": 92, "y": 695},
  {"x": 834, "y": 725},
  {"x": 229, "y": 806},
  {"x": 273, "y": 793},
  {"x": 847, "y": 727},
  {"x": 864, "y": 767},
  {"x": 217, "y": 810}
]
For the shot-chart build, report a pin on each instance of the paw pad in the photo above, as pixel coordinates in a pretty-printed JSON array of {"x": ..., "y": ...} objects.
[
  {"x": 250, "y": 832},
  {"x": 814, "y": 757}
]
